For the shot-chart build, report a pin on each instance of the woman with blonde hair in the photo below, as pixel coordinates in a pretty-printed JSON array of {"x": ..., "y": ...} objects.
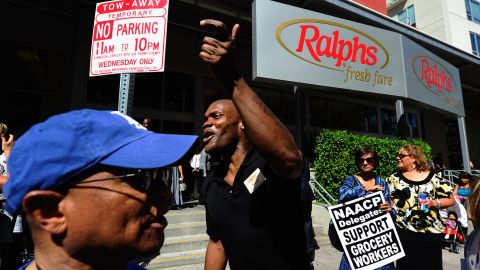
[
  {"x": 417, "y": 194},
  {"x": 472, "y": 247}
]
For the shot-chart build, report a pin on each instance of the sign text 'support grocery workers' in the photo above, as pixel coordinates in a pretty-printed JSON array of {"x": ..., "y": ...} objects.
[{"x": 367, "y": 234}]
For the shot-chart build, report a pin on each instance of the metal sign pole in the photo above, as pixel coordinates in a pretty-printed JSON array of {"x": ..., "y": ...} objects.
[{"x": 125, "y": 95}]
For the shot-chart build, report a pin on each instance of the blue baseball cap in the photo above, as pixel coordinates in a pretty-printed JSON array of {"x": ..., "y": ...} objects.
[{"x": 53, "y": 152}]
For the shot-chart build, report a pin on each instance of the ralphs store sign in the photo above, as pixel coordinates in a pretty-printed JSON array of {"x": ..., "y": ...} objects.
[
  {"x": 297, "y": 45},
  {"x": 294, "y": 45},
  {"x": 330, "y": 45},
  {"x": 431, "y": 80}
]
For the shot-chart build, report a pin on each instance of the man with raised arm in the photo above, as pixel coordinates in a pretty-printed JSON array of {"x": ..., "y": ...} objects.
[{"x": 253, "y": 197}]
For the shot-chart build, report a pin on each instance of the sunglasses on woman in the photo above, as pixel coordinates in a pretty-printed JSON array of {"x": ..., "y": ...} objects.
[{"x": 368, "y": 160}]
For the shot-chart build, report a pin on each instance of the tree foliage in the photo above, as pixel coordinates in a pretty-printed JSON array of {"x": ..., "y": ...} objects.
[{"x": 335, "y": 152}]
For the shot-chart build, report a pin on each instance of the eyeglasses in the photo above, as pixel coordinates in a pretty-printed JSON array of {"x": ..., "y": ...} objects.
[
  {"x": 401, "y": 156},
  {"x": 141, "y": 180},
  {"x": 368, "y": 160}
]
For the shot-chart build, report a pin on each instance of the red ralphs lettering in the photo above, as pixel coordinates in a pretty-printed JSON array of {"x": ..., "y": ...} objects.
[
  {"x": 433, "y": 76},
  {"x": 333, "y": 46}
]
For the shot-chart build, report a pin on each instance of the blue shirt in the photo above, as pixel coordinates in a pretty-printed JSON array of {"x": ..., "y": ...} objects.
[{"x": 352, "y": 189}]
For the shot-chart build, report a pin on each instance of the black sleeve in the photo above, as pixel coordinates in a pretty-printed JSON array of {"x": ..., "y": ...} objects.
[{"x": 212, "y": 229}]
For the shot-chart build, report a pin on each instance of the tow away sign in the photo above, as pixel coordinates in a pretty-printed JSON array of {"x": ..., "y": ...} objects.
[{"x": 129, "y": 36}]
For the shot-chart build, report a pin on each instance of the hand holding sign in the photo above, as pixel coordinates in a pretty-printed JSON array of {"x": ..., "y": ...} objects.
[
  {"x": 385, "y": 206},
  {"x": 367, "y": 233}
]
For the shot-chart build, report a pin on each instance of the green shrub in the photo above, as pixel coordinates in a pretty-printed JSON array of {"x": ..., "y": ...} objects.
[{"x": 335, "y": 152}]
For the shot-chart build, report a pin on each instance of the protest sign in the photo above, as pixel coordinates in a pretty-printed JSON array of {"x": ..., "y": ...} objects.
[
  {"x": 367, "y": 234},
  {"x": 129, "y": 36}
]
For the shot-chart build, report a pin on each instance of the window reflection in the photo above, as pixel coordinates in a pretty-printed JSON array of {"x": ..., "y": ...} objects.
[
  {"x": 389, "y": 122},
  {"x": 335, "y": 114},
  {"x": 280, "y": 103},
  {"x": 347, "y": 116},
  {"x": 318, "y": 112},
  {"x": 103, "y": 89},
  {"x": 173, "y": 91}
]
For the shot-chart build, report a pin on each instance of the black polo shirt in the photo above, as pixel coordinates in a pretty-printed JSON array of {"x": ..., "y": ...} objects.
[{"x": 259, "y": 230}]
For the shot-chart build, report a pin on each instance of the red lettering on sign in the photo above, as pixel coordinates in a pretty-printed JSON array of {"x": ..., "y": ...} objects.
[
  {"x": 320, "y": 45},
  {"x": 103, "y": 30},
  {"x": 122, "y": 5},
  {"x": 435, "y": 77}
]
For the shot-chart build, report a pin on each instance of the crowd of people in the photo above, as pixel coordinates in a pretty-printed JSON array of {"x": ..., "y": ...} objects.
[
  {"x": 94, "y": 186},
  {"x": 416, "y": 196}
]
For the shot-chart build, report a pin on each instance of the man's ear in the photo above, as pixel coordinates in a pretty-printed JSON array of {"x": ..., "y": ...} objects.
[{"x": 42, "y": 208}]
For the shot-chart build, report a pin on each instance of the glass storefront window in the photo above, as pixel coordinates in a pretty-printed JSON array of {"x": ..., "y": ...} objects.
[
  {"x": 103, "y": 89},
  {"x": 346, "y": 116},
  {"x": 211, "y": 92},
  {"x": 371, "y": 120},
  {"x": 389, "y": 122},
  {"x": 33, "y": 69},
  {"x": 318, "y": 112},
  {"x": 177, "y": 127},
  {"x": 280, "y": 103},
  {"x": 179, "y": 92},
  {"x": 148, "y": 90},
  {"x": 288, "y": 109},
  {"x": 342, "y": 115},
  {"x": 413, "y": 124},
  {"x": 173, "y": 91}
]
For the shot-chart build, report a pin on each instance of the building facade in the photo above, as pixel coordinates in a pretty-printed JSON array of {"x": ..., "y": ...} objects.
[
  {"x": 456, "y": 23},
  {"x": 453, "y": 22},
  {"x": 47, "y": 61}
]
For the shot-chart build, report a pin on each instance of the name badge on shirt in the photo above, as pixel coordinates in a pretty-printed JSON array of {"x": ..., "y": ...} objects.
[{"x": 254, "y": 180}]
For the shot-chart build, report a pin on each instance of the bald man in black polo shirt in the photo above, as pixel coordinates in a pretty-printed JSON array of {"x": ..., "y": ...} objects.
[{"x": 255, "y": 216}]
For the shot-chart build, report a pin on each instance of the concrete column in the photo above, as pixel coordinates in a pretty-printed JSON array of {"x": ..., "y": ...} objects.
[
  {"x": 399, "y": 109},
  {"x": 299, "y": 115},
  {"x": 464, "y": 143}
]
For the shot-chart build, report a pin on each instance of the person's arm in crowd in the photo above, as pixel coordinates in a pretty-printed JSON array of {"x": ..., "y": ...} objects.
[
  {"x": 3, "y": 180},
  {"x": 262, "y": 128},
  {"x": 180, "y": 171},
  {"x": 455, "y": 191},
  {"x": 7, "y": 144},
  {"x": 440, "y": 203},
  {"x": 215, "y": 258}
]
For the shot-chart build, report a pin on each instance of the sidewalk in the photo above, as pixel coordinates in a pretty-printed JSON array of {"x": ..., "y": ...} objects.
[{"x": 328, "y": 258}]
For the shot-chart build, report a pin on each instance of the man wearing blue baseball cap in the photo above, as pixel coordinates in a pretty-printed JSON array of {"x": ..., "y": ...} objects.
[{"x": 88, "y": 182}]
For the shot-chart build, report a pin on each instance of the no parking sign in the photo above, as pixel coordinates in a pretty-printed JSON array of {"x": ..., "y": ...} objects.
[{"x": 129, "y": 36}]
